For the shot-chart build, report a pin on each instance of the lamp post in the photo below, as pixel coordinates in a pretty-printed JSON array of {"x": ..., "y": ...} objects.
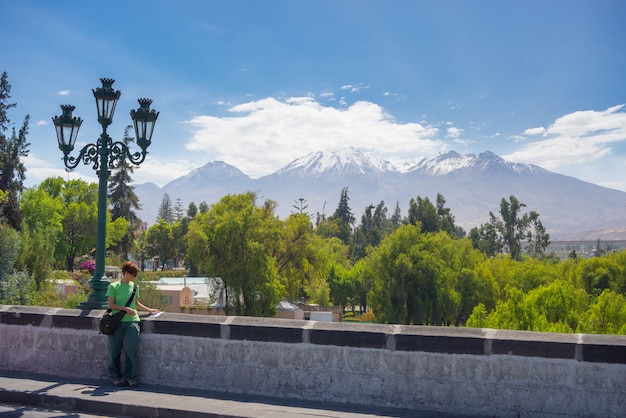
[{"x": 103, "y": 156}]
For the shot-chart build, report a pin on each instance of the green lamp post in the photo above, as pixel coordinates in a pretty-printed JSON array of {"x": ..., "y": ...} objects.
[{"x": 104, "y": 156}]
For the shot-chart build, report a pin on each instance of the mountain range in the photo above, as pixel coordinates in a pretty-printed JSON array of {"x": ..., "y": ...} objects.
[{"x": 473, "y": 185}]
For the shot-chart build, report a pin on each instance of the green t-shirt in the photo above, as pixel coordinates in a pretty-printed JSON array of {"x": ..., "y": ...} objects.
[{"x": 121, "y": 293}]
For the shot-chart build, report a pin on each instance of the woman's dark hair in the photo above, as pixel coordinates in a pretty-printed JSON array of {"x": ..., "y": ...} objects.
[{"x": 130, "y": 267}]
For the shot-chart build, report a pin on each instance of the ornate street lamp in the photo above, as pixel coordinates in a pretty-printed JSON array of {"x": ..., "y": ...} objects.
[{"x": 104, "y": 156}]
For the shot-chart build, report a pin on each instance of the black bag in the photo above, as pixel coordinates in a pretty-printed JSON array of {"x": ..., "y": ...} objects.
[{"x": 109, "y": 323}]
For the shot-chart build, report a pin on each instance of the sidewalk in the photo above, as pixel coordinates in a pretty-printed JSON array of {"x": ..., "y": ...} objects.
[{"x": 104, "y": 399}]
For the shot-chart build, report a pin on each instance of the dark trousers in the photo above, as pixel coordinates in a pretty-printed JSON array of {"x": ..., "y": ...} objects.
[{"x": 126, "y": 336}]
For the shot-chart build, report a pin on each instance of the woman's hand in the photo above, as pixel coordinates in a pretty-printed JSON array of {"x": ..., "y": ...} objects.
[{"x": 130, "y": 311}]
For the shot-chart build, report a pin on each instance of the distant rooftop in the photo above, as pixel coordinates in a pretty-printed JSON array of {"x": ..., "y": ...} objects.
[{"x": 188, "y": 280}]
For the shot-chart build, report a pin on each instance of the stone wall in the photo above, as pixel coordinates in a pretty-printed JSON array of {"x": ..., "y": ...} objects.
[{"x": 482, "y": 372}]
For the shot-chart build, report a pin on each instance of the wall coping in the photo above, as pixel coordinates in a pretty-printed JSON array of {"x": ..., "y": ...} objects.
[{"x": 593, "y": 348}]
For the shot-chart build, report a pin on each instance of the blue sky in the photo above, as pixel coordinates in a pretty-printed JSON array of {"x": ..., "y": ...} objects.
[{"x": 260, "y": 83}]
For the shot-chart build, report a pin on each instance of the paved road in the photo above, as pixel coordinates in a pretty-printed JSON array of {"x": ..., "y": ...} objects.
[{"x": 21, "y": 411}]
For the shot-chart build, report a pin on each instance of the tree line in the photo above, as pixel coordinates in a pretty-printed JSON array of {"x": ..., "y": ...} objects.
[{"x": 421, "y": 268}]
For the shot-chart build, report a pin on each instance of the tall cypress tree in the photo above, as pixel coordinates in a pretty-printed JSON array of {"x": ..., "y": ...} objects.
[
  {"x": 344, "y": 217},
  {"x": 13, "y": 149},
  {"x": 124, "y": 201},
  {"x": 166, "y": 210}
]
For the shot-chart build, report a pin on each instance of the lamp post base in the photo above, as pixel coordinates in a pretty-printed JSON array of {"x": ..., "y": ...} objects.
[
  {"x": 87, "y": 306},
  {"x": 97, "y": 299}
]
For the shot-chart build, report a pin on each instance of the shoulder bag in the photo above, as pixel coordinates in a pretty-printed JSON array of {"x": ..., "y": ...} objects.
[{"x": 109, "y": 323}]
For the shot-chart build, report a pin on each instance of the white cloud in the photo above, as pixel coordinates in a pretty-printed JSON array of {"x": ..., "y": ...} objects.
[
  {"x": 354, "y": 88},
  {"x": 535, "y": 131},
  {"x": 63, "y": 93},
  {"x": 264, "y": 135},
  {"x": 454, "y": 132},
  {"x": 577, "y": 138}
]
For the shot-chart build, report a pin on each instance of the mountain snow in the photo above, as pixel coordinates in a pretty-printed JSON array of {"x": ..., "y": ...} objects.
[{"x": 342, "y": 162}]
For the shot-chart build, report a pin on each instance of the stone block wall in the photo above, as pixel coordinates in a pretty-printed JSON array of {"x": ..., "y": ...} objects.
[{"x": 480, "y": 372}]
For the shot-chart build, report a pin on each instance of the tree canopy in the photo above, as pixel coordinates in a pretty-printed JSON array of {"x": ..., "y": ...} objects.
[{"x": 13, "y": 149}]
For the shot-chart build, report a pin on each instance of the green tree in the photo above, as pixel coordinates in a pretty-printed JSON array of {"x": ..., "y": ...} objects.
[
  {"x": 396, "y": 218},
  {"x": 524, "y": 274},
  {"x": 192, "y": 210},
  {"x": 79, "y": 219},
  {"x": 446, "y": 219},
  {"x": 426, "y": 278},
  {"x": 166, "y": 210},
  {"x": 69, "y": 211},
  {"x": 141, "y": 250},
  {"x": 42, "y": 229},
  {"x": 509, "y": 229},
  {"x": 553, "y": 307},
  {"x": 179, "y": 209},
  {"x": 599, "y": 273},
  {"x": 295, "y": 256},
  {"x": 375, "y": 225},
  {"x": 433, "y": 218},
  {"x": 18, "y": 289},
  {"x": 405, "y": 284},
  {"x": 509, "y": 312},
  {"x": 13, "y": 149},
  {"x": 361, "y": 277},
  {"x": 538, "y": 238},
  {"x": 37, "y": 252},
  {"x": 160, "y": 242},
  {"x": 607, "y": 315},
  {"x": 343, "y": 217},
  {"x": 43, "y": 205},
  {"x": 464, "y": 281},
  {"x": 179, "y": 231},
  {"x": 343, "y": 287},
  {"x": 235, "y": 241},
  {"x": 300, "y": 206},
  {"x": 424, "y": 213},
  {"x": 9, "y": 248},
  {"x": 486, "y": 239},
  {"x": 330, "y": 257},
  {"x": 511, "y": 226},
  {"x": 618, "y": 283}
]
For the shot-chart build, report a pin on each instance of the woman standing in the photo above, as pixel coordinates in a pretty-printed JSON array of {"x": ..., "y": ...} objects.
[{"x": 127, "y": 333}]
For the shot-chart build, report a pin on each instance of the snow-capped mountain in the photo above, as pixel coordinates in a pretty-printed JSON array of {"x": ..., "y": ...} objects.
[
  {"x": 452, "y": 161},
  {"x": 473, "y": 185},
  {"x": 209, "y": 175},
  {"x": 346, "y": 162}
]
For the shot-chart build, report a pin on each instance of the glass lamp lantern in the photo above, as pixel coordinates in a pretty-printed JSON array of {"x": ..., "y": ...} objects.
[
  {"x": 106, "y": 100},
  {"x": 144, "y": 120},
  {"x": 67, "y": 127}
]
